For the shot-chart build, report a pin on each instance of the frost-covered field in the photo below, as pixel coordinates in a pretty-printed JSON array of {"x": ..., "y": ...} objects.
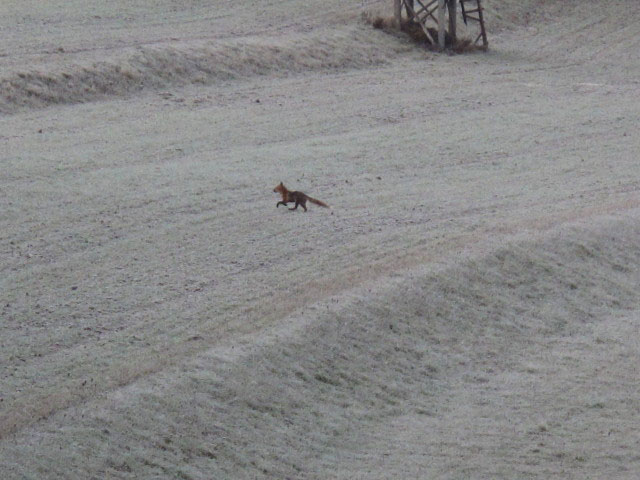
[{"x": 468, "y": 308}]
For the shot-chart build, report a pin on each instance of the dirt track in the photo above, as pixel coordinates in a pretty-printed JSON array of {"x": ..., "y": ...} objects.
[{"x": 159, "y": 314}]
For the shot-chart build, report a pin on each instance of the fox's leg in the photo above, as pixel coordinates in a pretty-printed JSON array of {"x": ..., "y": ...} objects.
[
  {"x": 281, "y": 203},
  {"x": 304, "y": 204},
  {"x": 297, "y": 203}
]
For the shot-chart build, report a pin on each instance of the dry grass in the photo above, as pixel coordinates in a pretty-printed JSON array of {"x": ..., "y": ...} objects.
[
  {"x": 415, "y": 32},
  {"x": 328, "y": 379},
  {"x": 164, "y": 65},
  {"x": 466, "y": 45}
]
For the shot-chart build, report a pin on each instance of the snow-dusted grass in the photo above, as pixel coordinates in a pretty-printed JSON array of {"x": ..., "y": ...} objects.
[
  {"x": 467, "y": 308},
  {"x": 171, "y": 64},
  {"x": 331, "y": 388}
]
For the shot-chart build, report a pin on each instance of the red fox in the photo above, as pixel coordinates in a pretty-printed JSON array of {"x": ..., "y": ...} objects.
[{"x": 298, "y": 197}]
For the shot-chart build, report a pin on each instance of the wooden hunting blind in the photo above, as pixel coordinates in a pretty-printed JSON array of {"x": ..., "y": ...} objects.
[{"x": 431, "y": 16}]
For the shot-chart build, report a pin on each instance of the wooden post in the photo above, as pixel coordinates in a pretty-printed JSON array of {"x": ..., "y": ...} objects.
[
  {"x": 409, "y": 7},
  {"x": 441, "y": 23},
  {"x": 453, "y": 19},
  {"x": 397, "y": 11},
  {"x": 483, "y": 32}
]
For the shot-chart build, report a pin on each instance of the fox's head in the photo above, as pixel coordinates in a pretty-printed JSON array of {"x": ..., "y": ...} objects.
[{"x": 280, "y": 188}]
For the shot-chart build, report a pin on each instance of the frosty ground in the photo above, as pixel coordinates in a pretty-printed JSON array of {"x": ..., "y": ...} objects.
[{"x": 468, "y": 308}]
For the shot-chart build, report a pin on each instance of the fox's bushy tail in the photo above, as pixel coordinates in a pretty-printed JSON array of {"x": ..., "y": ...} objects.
[{"x": 318, "y": 202}]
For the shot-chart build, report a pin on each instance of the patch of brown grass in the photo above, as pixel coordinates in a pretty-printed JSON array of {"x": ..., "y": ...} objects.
[
  {"x": 415, "y": 32},
  {"x": 465, "y": 45}
]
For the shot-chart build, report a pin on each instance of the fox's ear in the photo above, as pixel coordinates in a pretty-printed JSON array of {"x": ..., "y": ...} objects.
[{"x": 281, "y": 183}]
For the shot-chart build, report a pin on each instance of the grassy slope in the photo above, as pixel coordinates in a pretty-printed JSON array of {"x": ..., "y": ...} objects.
[{"x": 159, "y": 313}]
